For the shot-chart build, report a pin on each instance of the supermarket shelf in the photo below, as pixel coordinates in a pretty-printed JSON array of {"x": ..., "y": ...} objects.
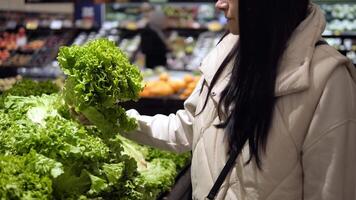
[
  {"x": 334, "y": 1},
  {"x": 342, "y": 36},
  {"x": 7, "y": 72},
  {"x": 171, "y": 2}
]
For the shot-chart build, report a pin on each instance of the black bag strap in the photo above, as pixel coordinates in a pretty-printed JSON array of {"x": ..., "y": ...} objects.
[
  {"x": 228, "y": 166},
  {"x": 321, "y": 42}
]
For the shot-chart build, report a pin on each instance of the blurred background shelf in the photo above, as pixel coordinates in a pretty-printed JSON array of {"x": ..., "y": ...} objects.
[{"x": 192, "y": 30}]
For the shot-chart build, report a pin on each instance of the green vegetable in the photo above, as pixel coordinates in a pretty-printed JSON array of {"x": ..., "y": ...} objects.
[
  {"x": 100, "y": 76},
  {"x": 157, "y": 177},
  {"x": 27, "y": 177},
  {"x": 72, "y": 160},
  {"x": 180, "y": 160},
  {"x": 157, "y": 168},
  {"x": 45, "y": 154},
  {"x": 34, "y": 123},
  {"x": 29, "y": 87}
]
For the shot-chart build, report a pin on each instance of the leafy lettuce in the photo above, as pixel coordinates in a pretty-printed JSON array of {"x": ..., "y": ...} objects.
[
  {"x": 100, "y": 76},
  {"x": 46, "y": 154},
  {"x": 35, "y": 124},
  {"x": 72, "y": 161},
  {"x": 27, "y": 177}
]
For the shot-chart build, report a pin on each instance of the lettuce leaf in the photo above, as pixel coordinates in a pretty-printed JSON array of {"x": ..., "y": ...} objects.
[
  {"x": 99, "y": 77},
  {"x": 27, "y": 177}
]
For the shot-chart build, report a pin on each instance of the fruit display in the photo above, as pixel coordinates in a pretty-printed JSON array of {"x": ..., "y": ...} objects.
[
  {"x": 21, "y": 50},
  {"x": 165, "y": 85},
  {"x": 7, "y": 83},
  {"x": 34, "y": 45},
  {"x": 12, "y": 41},
  {"x": 4, "y": 55},
  {"x": 19, "y": 60},
  {"x": 190, "y": 83},
  {"x": 29, "y": 39}
]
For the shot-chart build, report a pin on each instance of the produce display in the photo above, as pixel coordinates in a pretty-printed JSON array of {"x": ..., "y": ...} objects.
[
  {"x": 7, "y": 83},
  {"x": 186, "y": 16},
  {"x": 130, "y": 45},
  {"x": 18, "y": 60},
  {"x": 108, "y": 30},
  {"x": 28, "y": 87},
  {"x": 10, "y": 19},
  {"x": 182, "y": 17},
  {"x": 181, "y": 50},
  {"x": 47, "y": 154},
  {"x": 13, "y": 41},
  {"x": 4, "y": 55},
  {"x": 205, "y": 43},
  {"x": 19, "y": 49},
  {"x": 63, "y": 139},
  {"x": 341, "y": 18},
  {"x": 352, "y": 56},
  {"x": 167, "y": 86}
]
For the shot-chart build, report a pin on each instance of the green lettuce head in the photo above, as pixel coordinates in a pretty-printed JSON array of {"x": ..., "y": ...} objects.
[{"x": 99, "y": 77}]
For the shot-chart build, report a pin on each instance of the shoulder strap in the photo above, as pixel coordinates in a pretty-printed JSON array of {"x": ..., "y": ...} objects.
[
  {"x": 321, "y": 42},
  {"x": 216, "y": 187},
  {"x": 224, "y": 35}
]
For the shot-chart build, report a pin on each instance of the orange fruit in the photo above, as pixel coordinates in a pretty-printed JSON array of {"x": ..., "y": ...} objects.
[
  {"x": 164, "y": 77},
  {"x": 188, "y": 78}
]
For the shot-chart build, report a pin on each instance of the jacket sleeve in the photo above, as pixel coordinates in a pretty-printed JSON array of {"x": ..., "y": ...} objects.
[
  {"x": 173, "y": 132},
  {"x": 329, "y": 151}
]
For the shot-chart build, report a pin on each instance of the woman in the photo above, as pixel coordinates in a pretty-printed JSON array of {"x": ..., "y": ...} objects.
[{"x": 270, "y": 92}]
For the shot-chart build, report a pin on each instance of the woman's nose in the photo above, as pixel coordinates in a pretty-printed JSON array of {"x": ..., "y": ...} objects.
[{"x": 222, "y": 5}]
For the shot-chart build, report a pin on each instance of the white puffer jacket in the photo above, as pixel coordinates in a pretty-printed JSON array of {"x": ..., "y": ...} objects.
[{"x": 311, "y": 149}]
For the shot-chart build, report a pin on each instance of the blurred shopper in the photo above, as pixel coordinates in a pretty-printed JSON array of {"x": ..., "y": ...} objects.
[
  {"x": 153, "y": 41},
  {"x": 274, "y": 114}
]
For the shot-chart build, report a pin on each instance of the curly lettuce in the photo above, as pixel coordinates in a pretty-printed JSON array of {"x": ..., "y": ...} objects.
[
  {"x": 99, "y": 77},
  {"x": 46, "y": 154},
  {"x": 27, "y": 177}
]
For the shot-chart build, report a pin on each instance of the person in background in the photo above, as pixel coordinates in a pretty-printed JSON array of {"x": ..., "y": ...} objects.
[
  {"x": 154, "y": 44},
  {"x": 276, "y": 101}
]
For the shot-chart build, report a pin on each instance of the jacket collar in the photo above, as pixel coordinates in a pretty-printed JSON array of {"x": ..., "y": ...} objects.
[{"x": 293, "y": 71}]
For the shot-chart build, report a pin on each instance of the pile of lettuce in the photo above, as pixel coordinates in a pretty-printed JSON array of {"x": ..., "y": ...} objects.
[
  {"x": 99, "y": 77},
  {"x": 45, "y": 153},
  {"x": 28, "y": 87}
]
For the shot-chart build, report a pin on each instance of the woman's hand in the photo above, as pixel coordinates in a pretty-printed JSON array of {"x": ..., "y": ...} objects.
[{"x": 79, "y": 117}]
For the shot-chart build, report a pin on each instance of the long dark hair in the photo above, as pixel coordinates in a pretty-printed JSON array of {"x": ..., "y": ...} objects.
[{"x": 248, "y": 99}]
